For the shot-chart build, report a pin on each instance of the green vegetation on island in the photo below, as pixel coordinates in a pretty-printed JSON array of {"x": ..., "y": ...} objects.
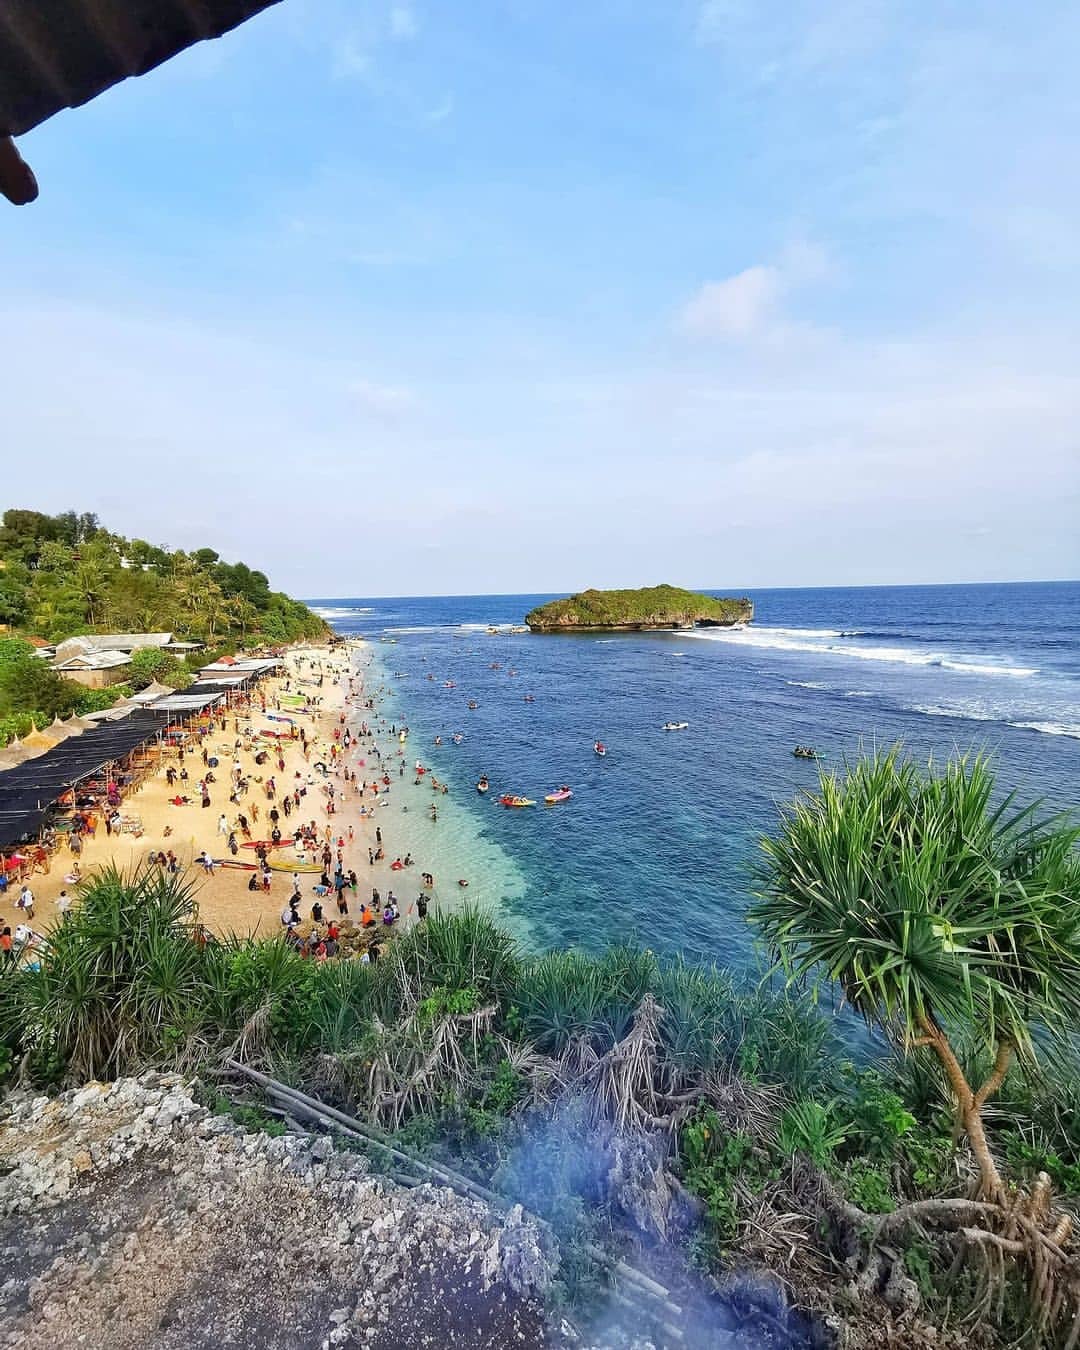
[
  {"x": 66, "y": 576},
  {"x": 646, "y": 607},
  {"x": 919, "y": 1192}
]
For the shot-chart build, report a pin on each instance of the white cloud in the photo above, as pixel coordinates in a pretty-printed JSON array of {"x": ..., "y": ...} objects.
[
  {"x": 353, "y": 58},
  {"x": 749, "y": 305},
  {"x": 442, "y": 110},
  {"x": 737, "y": 307},
  {"x": 404, "y": 24},
  {"x": 387, "y": 400},
  {"x": 716, "y": 18},
  {"x": 355, "y": 54}
]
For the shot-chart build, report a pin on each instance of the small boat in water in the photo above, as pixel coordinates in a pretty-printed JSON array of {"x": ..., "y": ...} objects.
[
  {"x": 599, "y": 748},
  {"x": 562, "y": 794},
  {"x": 449, "y": 684},
  {"x": 511, "y": 799},
  {"x": 472, "y": 704},
  {"x": 806, "y": 752},
  {"x": 482, "y": 783},
  {"x": 675, "y": 726},
  {"x": 529, "y": 698}
]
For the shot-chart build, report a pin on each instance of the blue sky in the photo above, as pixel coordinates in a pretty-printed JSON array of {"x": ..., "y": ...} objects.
[{"x": 396, "y": 296}]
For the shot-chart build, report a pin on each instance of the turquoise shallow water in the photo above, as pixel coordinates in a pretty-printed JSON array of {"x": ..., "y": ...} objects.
[
  {"x": 658, "y": 841},
  {"x": 457, "y": 844}
]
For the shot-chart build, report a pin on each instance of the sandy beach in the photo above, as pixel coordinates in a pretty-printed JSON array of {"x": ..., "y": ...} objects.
[{"x": 225, "y": 903}]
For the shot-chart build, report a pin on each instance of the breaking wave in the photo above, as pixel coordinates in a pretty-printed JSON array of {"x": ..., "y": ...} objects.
[
  {"x": 816, "y": 640},
  {"x": 341, "y": 612},
  {"x": 1070, "y": 729}
]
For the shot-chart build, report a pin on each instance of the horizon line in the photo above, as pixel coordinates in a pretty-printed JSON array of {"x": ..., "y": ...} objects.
[{"x": 703, "y": 590}]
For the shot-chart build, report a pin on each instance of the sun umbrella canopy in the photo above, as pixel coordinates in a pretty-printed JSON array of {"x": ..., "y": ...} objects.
[{"x": 38, "y": 740}]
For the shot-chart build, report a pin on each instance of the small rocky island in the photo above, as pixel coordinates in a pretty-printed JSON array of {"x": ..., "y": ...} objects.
[{"x": 635, "y": 610}]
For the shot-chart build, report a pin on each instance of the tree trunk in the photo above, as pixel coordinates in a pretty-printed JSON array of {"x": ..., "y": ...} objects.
[
  {"x": 970, "y": 1105},
  {"x": 1002, "y": 1061}
]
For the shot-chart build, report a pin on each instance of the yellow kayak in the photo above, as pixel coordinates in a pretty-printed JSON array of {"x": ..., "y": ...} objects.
[{"x": 283, "y": 865}]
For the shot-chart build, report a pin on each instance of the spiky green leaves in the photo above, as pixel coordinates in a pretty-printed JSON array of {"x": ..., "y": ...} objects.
[{"x": 925, "y": 896}]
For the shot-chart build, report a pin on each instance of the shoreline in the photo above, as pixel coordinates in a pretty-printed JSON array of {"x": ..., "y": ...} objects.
[
  {"x": 354, "y": 694},
  {"x": 458, "y": 842}
]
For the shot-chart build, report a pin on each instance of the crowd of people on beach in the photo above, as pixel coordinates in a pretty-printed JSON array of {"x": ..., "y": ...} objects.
[
  {"x": 347, "y": 768},
  {"x": 332, "y": 920}
]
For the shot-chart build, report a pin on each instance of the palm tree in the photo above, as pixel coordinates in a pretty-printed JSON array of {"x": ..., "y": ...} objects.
[
  {"x": 241, "y": 612},
  {"x": 90, "y": 581},
  {"x": 213, "y": 607},
  {"x": 936, "y": 910}
]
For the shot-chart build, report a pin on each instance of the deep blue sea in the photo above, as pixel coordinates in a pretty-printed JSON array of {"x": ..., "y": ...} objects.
[{"x": 658, "y": 842}]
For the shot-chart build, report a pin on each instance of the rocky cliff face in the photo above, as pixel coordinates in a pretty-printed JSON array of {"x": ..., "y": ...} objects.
[
  {"x": 650, "y": 607},
  {"x": 131, "y": 1217}
]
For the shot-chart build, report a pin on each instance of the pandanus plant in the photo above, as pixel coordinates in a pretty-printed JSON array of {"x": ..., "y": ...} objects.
[{"x": 942, "y": 911}]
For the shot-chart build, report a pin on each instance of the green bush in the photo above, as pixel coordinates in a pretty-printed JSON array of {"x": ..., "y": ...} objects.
[
  {"x": 716, "y": 1163},
  {"x": 878, "y": 1121},
  {"x": 868, "y": 1187},
  {"x": 811, "y": 1128}
]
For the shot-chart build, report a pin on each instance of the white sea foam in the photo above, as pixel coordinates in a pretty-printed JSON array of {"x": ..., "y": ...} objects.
[
  {"x": 811, "y": 640},
  {"x": 342, "y": 612},
  {"x": 977, "y": 668},
  {"x": 960, "y": 714},
  {"x": 807, "y": 684},
  {"x": 1071, "y": 729},
  {"x": 858, "y": 693}
]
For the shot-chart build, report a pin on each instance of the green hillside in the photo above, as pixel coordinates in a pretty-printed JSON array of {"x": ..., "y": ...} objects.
[{"x": 61, "y": 576}]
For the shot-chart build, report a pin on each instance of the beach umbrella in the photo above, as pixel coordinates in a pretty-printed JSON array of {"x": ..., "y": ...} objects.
[
  {"x": 15, "y": 753},
  {"x": 47, "y": 736},
  {"x": 154, "y": 690},
  {"x": 57, "y": 731},
  {"x": 37, "y": 741}
]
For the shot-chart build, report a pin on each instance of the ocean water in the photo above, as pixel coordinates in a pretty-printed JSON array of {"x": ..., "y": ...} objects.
[{"x": 658, "y": 843}]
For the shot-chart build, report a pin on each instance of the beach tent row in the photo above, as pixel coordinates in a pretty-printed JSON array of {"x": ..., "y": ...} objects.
[
  {"x": 28, "y": 790},
  {"x": 187, "y": 702},
  {"x": 251, "y": 666}
]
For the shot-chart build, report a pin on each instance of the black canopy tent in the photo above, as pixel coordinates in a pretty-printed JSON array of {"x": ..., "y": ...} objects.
[
  {"x": 58, "y": 54},
  {"x": 29, "y": 790},
  {"x": 207, "y": 689}
]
